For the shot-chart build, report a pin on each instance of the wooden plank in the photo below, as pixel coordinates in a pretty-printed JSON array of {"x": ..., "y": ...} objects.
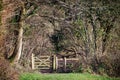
[
  {"x": 43, "y": 57},
  {"x": 43, "y": 65},
  {"x": 60, "y": 59},
  {"x": 42, "y": 62},
  {"x": 72, "y": 59},
  {"x": 43, "y": 68},
  {"x": 37, "y": 58}
]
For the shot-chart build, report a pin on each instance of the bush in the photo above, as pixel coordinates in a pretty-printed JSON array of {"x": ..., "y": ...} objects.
[
  {"x": 107, "y": 65},
  {"x": 79, "y": 69},
  {"x": 6, "y": 72}
]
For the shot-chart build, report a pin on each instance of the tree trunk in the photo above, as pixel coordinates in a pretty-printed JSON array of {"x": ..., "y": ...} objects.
[
  {"x": 19, "y": 45},
  {"x": 18, "y": 48}
]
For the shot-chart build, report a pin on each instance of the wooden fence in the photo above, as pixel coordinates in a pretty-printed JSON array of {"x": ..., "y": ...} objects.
[{"x": 52, "y": 62}]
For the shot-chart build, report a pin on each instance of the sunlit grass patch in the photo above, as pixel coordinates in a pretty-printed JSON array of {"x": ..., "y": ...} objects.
[{"x": 69, "y": 76}]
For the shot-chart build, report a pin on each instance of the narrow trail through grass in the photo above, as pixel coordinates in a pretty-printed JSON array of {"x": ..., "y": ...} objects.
[{"x": 69, "y": 76}]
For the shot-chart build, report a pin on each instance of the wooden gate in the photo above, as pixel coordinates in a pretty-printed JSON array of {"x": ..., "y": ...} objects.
[
  {"x": 53, "y": 63},
  {"x": 65, "y": 64},
  {"x": 41, "y": 62}
]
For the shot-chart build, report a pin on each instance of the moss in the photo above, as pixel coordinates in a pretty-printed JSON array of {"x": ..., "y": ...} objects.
[
  {"x": 15, "y": 19},
  {"x": 27, "y": 30}
]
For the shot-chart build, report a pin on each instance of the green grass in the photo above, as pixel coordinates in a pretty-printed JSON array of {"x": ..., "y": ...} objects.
[{"x": 69, "y": 76}]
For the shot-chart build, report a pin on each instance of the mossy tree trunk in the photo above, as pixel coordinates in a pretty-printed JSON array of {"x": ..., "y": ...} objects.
[
  {"x": 19, "y": 45},
  {"x": 15, "y": 56},
  {"x": 20, "y": 36}
]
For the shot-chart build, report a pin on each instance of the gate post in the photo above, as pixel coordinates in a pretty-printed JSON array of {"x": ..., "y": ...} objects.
[
  {"x": 54, "y": 62},
  {"x": 33, "y": 61}
]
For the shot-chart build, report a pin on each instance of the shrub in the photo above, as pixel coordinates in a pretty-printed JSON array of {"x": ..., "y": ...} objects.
[{"x": 7, "y": 72}]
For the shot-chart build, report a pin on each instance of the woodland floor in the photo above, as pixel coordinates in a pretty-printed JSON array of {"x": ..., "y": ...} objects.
[{"x": 68, "y": 76}]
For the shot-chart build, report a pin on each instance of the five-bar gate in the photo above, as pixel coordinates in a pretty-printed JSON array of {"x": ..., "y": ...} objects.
[{"x": 41, "y": 62}]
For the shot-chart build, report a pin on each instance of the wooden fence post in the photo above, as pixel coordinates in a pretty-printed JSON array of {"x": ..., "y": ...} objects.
[
  {"x": 65, "y": 64},
  {"x": 33, "y": 61},
  {"x": 56, "y": 62}
]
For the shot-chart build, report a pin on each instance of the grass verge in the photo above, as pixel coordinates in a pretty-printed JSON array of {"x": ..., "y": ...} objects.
[{"x": 69, "y": 76}]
